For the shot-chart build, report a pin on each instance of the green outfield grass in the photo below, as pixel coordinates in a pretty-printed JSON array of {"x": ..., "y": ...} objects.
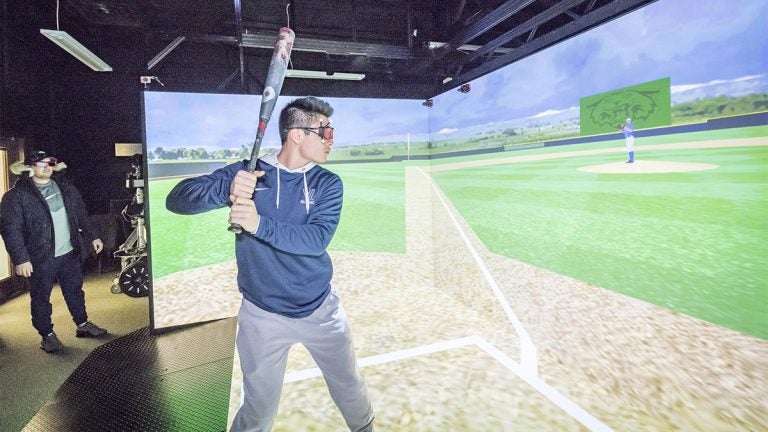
[
  {"x": 721, "y": 134},
  {"x": 372, "y": 220},
  {"x": 183, "y": 242},
  {"x": 693, "y": 242},
  {"x": 373, "y": 215}
]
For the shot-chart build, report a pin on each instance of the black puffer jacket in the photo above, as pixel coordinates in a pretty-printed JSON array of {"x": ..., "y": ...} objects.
[{"x": 27, "y": 227}]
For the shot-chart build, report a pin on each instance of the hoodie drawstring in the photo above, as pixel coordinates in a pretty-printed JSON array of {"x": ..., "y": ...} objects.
[
  {"x": 306, "y": 191},
  {"x": 306, "y": 187},
  {"x": 277, "y": 196}
]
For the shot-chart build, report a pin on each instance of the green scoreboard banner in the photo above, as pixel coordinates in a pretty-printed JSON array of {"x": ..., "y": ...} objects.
[{"x": 649, "y": 105}]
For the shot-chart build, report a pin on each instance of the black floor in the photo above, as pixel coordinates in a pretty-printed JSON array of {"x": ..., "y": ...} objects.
[{"x": 173, "y": 381}]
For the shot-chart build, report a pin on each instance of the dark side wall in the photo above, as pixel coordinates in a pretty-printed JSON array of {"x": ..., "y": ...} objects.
[{"x": 55, "y": 103}]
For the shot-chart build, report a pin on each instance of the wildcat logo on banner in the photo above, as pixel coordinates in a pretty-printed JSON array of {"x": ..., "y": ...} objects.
[{"x": 649, "y": 105}]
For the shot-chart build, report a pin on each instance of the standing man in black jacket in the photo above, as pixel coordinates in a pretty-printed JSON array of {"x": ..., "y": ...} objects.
[{"x": 42, "y": 219}]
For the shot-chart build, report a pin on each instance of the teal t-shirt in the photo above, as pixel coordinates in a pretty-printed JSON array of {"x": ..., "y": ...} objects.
[{"x": 52, "y": 195}]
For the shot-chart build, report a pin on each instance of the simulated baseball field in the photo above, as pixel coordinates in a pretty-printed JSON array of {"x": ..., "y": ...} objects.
[
  {"x": 693, "y": 242},
  {"x": 537, "y": 282},
  {"x": 544, "y": 289}
]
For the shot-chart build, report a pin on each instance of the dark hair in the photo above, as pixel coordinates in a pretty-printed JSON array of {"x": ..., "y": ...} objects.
[{"x": 301, "y": 112}]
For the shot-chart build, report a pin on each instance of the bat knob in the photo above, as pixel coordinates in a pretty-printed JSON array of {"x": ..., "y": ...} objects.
[{"x": 235, "y": 228}]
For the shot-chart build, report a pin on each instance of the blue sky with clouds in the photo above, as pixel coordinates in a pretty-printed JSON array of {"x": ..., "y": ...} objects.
[
  {"x": 212, "y": 121},
  {"x": 691, "y": 41}
]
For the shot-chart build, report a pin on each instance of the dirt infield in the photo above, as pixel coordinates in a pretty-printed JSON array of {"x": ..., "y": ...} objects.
[{"x": 629, "y": 364}]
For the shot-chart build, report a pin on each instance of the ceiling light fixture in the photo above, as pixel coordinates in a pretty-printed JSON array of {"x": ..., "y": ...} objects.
[
  {"x": 72, "y": 46},
  {"x": 346, "y": 76}
]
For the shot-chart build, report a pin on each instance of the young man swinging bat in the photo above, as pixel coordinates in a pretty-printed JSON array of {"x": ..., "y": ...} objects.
[{"x": 284, "y": 271}]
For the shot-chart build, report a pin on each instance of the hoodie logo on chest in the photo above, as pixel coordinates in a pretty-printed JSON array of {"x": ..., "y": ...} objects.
[{"x": 311, "y": 194}]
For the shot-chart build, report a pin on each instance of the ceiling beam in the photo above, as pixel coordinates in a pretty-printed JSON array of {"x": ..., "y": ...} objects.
[
  {"x": 399, "y": 52},
  {"x": 482, "y": 25},
  {"x": 531, "y": 35},
  {"x": 338, "y": 55},
  {"x": 530, "y": 25},
  {"x": 598, "y": 16}
]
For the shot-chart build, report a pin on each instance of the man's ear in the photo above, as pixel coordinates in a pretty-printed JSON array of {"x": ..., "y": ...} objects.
[{"x": 296, "y": 135}]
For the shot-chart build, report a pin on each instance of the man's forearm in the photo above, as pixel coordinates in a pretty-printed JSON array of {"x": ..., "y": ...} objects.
[{"x": 192, "y": 196}]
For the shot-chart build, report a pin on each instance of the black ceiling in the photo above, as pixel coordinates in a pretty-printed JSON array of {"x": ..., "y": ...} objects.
[{"x": 408, "y": 44}]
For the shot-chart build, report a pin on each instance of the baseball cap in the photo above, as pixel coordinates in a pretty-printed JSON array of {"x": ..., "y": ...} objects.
[{"x": 34, "y": 157}]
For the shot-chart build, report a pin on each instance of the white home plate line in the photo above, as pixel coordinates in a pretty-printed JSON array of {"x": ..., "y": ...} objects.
[
  {"x": 567, "y": 405},
  {"x": 528, "y": 368},
  {"x": 389, "y": 357}
]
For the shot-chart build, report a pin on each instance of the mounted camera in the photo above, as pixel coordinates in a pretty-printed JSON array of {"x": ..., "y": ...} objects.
[
  {"x": 147, "y": 80},
  {"x": 135, "y": 179}
]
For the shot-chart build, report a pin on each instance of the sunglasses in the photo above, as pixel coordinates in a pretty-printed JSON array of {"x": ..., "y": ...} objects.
[
  {"x": 325, "y": 132},
  {"x": 42, "y": 164}
]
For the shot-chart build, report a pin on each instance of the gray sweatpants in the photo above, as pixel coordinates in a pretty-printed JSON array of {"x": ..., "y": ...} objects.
[{"x": 263, "y": 341}]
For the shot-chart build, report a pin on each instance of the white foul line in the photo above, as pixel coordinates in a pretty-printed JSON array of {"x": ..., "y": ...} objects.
[
  {"x": 528, "y": 360},
  {"x": 576, "y": 412},
  {"x": 527, "y": 370}
]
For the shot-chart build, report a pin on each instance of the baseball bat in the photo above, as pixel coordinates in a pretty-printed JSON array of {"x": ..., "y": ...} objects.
[{"x": 272, "y": 86}]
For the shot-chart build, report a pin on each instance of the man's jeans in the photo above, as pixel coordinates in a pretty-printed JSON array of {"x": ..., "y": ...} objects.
[{"x": 67, "y": 271}]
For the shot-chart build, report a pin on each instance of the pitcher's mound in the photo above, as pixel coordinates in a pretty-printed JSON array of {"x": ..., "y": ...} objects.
[{"x": 646, "y": 166}]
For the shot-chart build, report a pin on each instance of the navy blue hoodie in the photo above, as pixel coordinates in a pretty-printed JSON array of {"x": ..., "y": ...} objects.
[{"x": 284, "y": 267}]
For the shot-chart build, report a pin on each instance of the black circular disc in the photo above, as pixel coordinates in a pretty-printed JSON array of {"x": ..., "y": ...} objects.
[{"x": 134, "y": 280}]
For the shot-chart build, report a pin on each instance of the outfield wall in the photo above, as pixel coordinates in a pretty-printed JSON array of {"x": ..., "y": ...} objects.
[
  {"x": 182, "y": 169},
  {"x": 754, "y": 119}
]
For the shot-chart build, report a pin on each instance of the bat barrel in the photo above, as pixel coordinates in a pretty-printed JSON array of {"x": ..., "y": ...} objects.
[{"x": 272, "y": 86}]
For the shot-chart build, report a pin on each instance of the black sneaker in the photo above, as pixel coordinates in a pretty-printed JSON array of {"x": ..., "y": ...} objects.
[
  {"x": 51, "y": 343},
  {"x": 89, "y": 329}
]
